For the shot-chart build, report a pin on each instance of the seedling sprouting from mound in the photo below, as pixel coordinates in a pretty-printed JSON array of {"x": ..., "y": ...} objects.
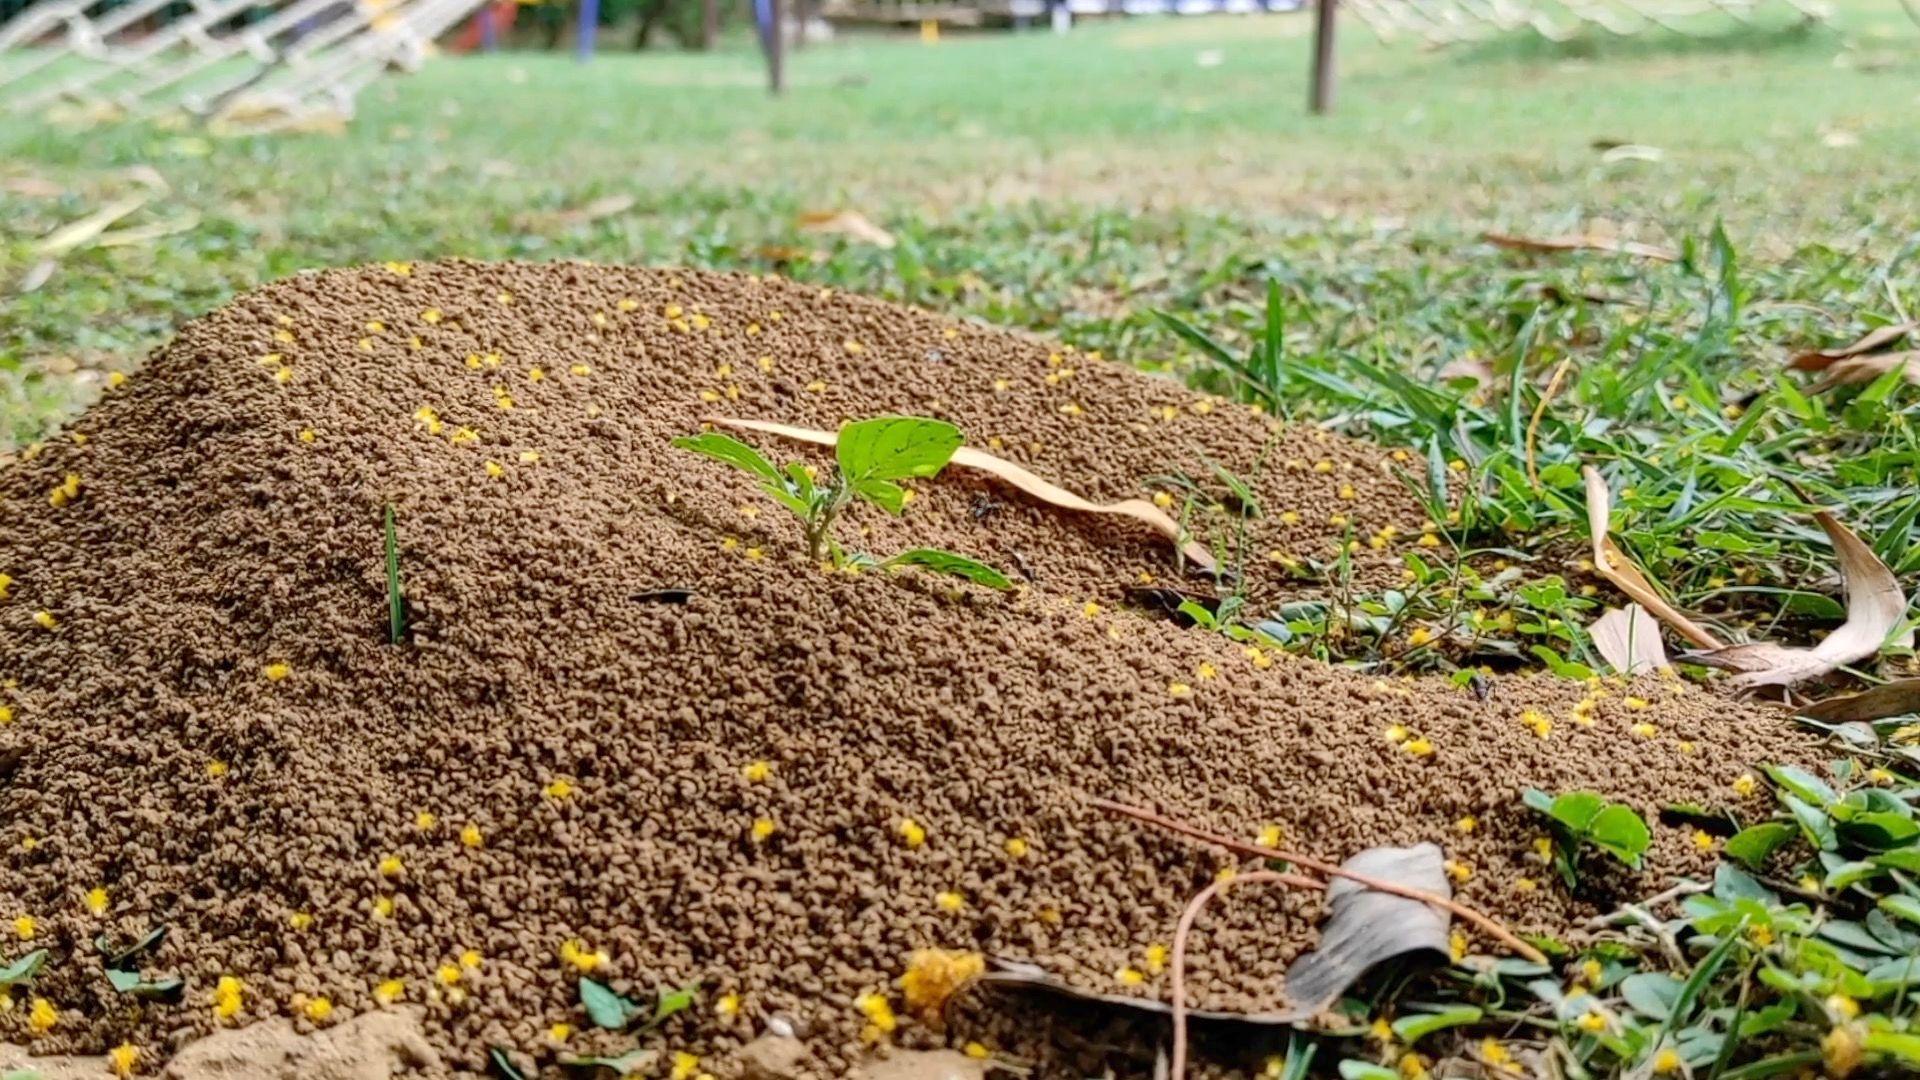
[
  {"x": 872, "y": 457},
  {"x": 1581, "y": 817},
  {"x": 396, "y": 599}
]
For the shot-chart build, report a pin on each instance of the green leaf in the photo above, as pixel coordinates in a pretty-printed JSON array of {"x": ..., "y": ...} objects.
[
  {"x": 1802, "y": 783},
  {"x": 1651, "y": 993},
  {"x": 1355, "y": 1069},
  {"x": 168, "y": 988},
  {"x": 604, "y": 1007},
  {"x": 948, "y": 563},
  {"x": 1894, "y": 1044},
  {"x": 1880, "y": 830},
  {"x": 885, "y": 494},
  {"x": 396, "y": 603},
  {"x": 502, "y": 1065},
  {"x": 23, "y": 970},
  {"x": 1621, "y": 832},
  {"x": 633, "y": 1062},
  {"x": 126, "y": 958},
  {"x": 732, "y": 451},
  {"x": 1905, "y": 907},
  {"x": 894, "y": 448},
  {"x": 673, "y": 1001},
  {"x": 1576, "y": 809},
  {"x": 1813, "y": 821},
  {"x": 1756, "y": 843},
  {"x": 1413, "y": 1027}
]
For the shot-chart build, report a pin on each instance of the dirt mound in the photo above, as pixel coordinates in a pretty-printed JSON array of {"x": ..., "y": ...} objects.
[{"x": 779, "y": 788}]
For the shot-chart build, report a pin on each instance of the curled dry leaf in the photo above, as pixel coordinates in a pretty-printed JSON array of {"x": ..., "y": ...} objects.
[
  {"x": 851, "y": 224},
  {"x": 80, "y": 233},
  {"x": 1855, "y": 370},
  {"x": 1367, "y": 927},
  {"x": 1629, "y": 640},
  {"x": 1364, "y": 928},
  {"x": 1875, "y": 606},
  {"x": 1612, "y": 563},
  {"x": 1873, "y": 341},
  {"x": 1581, "y": 243},
  {"x": 968, "y": 458},
  {"x": 1888, "y": 699}
]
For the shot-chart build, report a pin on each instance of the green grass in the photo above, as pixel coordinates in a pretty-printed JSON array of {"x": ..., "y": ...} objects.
[{"x": 1087, "y": 185}]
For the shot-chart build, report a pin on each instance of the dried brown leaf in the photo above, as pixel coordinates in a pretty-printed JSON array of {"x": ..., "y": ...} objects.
[
  {"x": 968, "y": 458},
  {"x": 1612, "y": 563},
  {"x": 1629, "y": 640},
  {"x": 83, "y": 232},
  {"x": 1874, "y": 341},
  {"x": 1854, "y": 370},
  {"x": 1888, "y": 699},
  {"x": 1875, "y": 606},
  {"x": 851, "y": 224},
  {"x": 1581, "y": 243}
]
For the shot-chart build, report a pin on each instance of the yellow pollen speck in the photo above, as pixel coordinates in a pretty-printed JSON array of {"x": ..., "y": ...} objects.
[
  {"x": 1458, "y": 871},
  {"x": 1268, "y": 837},
  {"x": 1090, "y": 609},
  {"x": 912, "y": 834},
  {"x": 470, "y": 836},
  {"x": 471, "y": 959},
  {"x": 383, "y": 907},
  {"x": 228, "y": 996},
  {"x": 1637, "y": 704},
  {"x": 449, "y": 974},
  {"x": 1127, "y": 976},
  {"x": 123, "y": 1058},
  {"x": 950, "y": 902},
  {"x": 1156, "y": 958},
  {"x": 430, "y": 316},
  {"x": 97, "y": 900},
  {"x": 1179, "y": 689},
  {"x": 42, "y": 1017},
  {"x": 1205, "y": 670},
  {"x": 559, "y": 788},
  {"x": 816, "y": 386},
  {"x": 494, "y": 469},
  {"x": 300, "y": 921},
  {"x": 391, "y": 866},
  {"x": 762, "y": 829},
  {"x": 1591, "y": 1022},
  {"x": 1419, "y": 747},
  {"x": 1667, "y": 1060},
  {"x": 1645, "y": 731},
  {"x": 217, "y": 769},
  {"x": 1537, "y": 722},
  {"x": 560, "y": 1032},
  {"x": 1457, "y": 945},
  {"x": 390, "y": 991},
  {"x": 306, "y": 435},
  {"x": 403, "y": 269},
  {"x": 24, "y": 927},
  {"x": 1703, "y": 840},
  {"x": 275, "y": 671},
  {"x": 1396, "y": 734},
  {"x": 756, "y": 772},
  {"x": 1016, "y": 848},
  {"x": 318, "y": 1010},
  {"x": 974, "y": 1050},
  {"x": 727, "y": 1006},
  {"x": 116, "y": 379},
  {"x": 1467, "y": 824},
  {"x": 1525, "y": 884},
  {"x": 578, "y": 955}
]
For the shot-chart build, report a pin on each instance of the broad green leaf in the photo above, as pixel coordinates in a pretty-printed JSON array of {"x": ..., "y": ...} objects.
[
  {"x": 799, "y": 480},
  {"x": 1847, "y": 874},
  {"x": 1802, "y": 783},
  {"x": 1879, "y": 830},
  {"x": 1903, "y": 906},
  {"x": 673, "y": 1001},
  {"x": 1355, "y": 1069},
  {"x": 604, "y": 1007},
  {"x": 894, "y": 448},
  {"x": 1412, "y": 1028},
  {"x": 1651, "y": 993},
  {"x": 787, "y": 499},
  {"x": 1894, "y": 1044},
  {"x": 24, "y": 969},
  {"x": 1577, "y": 809},
  {"x": 125, "y": 958},
  {"x": 1756, "y": 843},
  {"x": 1620, "y": 831},
  {"x": 732, "y": 451},
  {"x": 132, "y": 983},
  {"x": 1813, "y": 821},
  {"x": 885, "y": 494},
  {"x": 948, "y": 563}
]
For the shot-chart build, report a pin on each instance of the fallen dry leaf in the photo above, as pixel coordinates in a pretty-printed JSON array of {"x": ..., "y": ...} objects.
[
  {"x": 1367, "y": 927},
  {"x": 1864, "y": 369},
  {"x": 848, "y": 223},
  {"x": 1873, "y": 341},
  {"x": 968, "y": 458},
  {"x": 1629, "y": 640},
  {"x": 605, "y": 206},
  {"x": 1875, "y": 606},
  {"x": 1887, "y": 699},
  {"x": 82, "y": 232},
  {"x": 1612, "y": 563},
  {"x": 1581, "y": 243}
]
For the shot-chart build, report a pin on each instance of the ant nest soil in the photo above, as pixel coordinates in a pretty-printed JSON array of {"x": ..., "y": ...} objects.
[{"x": 779, "y": 787}]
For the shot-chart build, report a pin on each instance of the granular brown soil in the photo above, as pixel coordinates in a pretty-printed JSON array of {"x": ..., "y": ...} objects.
[{"x": 558, "y": 770}]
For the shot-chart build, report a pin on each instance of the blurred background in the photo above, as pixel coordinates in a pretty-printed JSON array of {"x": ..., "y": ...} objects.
[{"x": 1069, "y": 168}]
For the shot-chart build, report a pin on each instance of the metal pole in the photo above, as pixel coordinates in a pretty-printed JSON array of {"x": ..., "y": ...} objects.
[
  {"x": 1321, "y": 100},
  {"x": 777, "y": 47},
  {"x": 589, "y": 26}
]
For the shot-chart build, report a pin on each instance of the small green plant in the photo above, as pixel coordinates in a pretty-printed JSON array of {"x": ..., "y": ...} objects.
[
  {"x": 871, "y": 457},
  {"x": 1578, "y": 818},
  {"x": 617, "y": 1012},
  {"x": 396, "y": 600}
]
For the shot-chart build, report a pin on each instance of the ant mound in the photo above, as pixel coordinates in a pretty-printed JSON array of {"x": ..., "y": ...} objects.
[{"x": 632, "y": 732}]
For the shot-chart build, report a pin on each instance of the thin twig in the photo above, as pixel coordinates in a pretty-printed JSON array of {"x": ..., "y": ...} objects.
[
  {"x": 1178, "y": 977},
  {"x": 1540, "y": 410},
  {"x": 1684, "y": 888},
  {"x": 1485, "y": 923}
]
